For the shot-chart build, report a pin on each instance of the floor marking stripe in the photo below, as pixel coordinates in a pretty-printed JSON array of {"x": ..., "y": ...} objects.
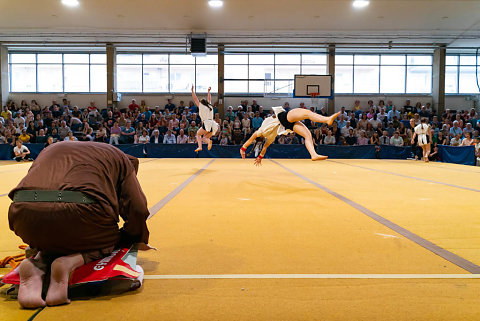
[
  {"x": 35, "y": 314},
  {"x": 447, "y": 255},
  {"x": 157, "y": 207},
  {"x": 406, "y": 176},
  {"x": 438, "y": 165},
  {"x": 1, "y": 195},
  {"x": 311, "y": 276}
]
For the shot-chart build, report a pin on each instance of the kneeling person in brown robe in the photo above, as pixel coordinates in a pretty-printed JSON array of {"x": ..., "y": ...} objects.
[{"x": 68, "y": 207}]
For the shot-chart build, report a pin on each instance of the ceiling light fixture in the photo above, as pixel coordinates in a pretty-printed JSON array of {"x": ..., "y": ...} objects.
[
  {"x": 70, "y": 3},
  {"x": 360, "y": 3},
  {"x": 215, "y": 3}
]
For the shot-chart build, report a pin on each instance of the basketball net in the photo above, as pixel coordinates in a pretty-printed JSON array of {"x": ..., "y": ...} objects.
[{"x": 314, "y": 100}]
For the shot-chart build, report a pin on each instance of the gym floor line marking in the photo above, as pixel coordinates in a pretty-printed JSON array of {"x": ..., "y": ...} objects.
[
  {"x": 1, "y": 195},
  {"x": 311, "y": 276},
  {"x": 150, "y": 160},
  {"x": 447, "y": 255},
  {"x": 436, "y": 165},
  {"x": 157, "y": 207},
  {"x": 407, "y": 176},
  {"x": 457, "y": 169}
]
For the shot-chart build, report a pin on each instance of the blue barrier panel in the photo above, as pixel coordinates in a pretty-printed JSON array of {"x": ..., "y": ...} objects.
[
  {"x": 394, "y": 152},
  {"x": 6, "y": 152},
  {"x": 171, "y": 150},
  {"x": 217, "y": 151},
  {"x": 334, "y": 151},
  {"x": 35, "y": 149},
  {"x": 135, "y": 150},
  {"x": 286, "y": 151},
  {"x": 459, "y": 155}
]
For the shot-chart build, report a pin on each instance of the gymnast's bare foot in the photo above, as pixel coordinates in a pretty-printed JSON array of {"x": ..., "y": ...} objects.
[
  {"x": 319, "y": 157},
  {"x": 209, "y": 144},
  {"x": 31, "y": 281},
  {"x": 332, "y": 118},
  {"x": 198, "y": 149},
  {"x": 61, "y": 268}
]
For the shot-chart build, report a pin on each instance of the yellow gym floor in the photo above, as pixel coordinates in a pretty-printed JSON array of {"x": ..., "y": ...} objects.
[{"x": 293, "y": 240}]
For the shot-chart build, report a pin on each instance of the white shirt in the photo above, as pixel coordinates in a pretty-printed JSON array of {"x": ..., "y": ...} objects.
[
  {"x": 271, "y": 126},
  {"x": 396, "y": 141},
  {"x": 205, "y": 112},
  {"x": 19, "y": 120},
  {"x": 381, "y": 116},
  {"x": 329, "y": 140},
  {"x": 143, "y": 139},
  {"x": 374, "y": 122},
  {"x": 21, "y": 150},
  {"x": 182, "y": 139},
  {"x": 345, "y": 130}
]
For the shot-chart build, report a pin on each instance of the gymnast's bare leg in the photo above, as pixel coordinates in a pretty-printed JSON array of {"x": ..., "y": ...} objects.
[
  {"x": 299, "y": 114},
  {"x": 302, "y": 130}
]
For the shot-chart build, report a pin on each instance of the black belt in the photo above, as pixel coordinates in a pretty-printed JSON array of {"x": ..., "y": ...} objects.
[{"x": 52, "y": 196}]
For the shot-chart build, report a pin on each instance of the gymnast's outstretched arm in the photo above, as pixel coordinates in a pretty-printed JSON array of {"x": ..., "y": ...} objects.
[
  {"x": 209, "y": 97},
  {"x": 195, "y": 98},
  {"x": 258, "y": 160},
  {"x": 248, "y": 143}
]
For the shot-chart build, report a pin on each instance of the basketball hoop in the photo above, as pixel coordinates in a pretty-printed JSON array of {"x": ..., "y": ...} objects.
[{"x": 314, "y": 100}]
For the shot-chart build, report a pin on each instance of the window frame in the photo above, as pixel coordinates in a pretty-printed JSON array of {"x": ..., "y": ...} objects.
[
  {"x": 274, "y": 65},
  {"x": 168, "y": 64},
  {"x": 458, "y": 66},
  {"x": 379, "y": 65},
  {"x": 62, "y": 63}
]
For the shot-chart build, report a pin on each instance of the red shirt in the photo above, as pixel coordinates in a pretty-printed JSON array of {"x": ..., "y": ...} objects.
[{"x": 132, "y": 107}]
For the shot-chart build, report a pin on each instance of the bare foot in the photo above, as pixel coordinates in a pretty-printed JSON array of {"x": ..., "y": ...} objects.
[
  {"x": 209, "y": 144},
  {"x": 57, "y": 293},
  {"x": 198, "y": 149},
  {"x": 332, "y": 118},
  {"x": 319, "y": 157},
  {"x": 31, "y": 281},
  {"x": 242, "y": 153}
]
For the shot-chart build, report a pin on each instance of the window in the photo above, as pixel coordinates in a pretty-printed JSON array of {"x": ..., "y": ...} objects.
[
  {"x": 57, "y": 72},
  {"x": 460, "y": 75},
  {"x": 373, "y": 74},
  {"x": 269, "y": 73},
  {"x": 166, "y": 73}
]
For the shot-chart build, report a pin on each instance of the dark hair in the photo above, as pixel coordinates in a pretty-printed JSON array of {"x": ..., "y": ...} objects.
[{"x": 206, "y": 103}]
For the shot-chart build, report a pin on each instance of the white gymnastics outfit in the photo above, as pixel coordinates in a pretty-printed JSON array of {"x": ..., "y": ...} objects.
[
  {"x": 421, "y": 130},
  {"x": 271, "y": 126},
  {"x": 206, "y": 115}
]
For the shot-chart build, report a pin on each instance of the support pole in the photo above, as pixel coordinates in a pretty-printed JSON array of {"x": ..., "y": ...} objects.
[
  {"x": 111, "y": 74},
  {"x": 221, "y": 88},
  {"x": 331, "y": 71},
  {"x": 438, "y": 89}
]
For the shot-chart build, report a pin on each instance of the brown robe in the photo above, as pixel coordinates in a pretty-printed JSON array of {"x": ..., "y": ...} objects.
[{"x": 99, "y": 170}]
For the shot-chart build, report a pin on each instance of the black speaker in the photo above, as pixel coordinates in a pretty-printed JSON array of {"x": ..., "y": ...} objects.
[{"x": 198, "y": 44}]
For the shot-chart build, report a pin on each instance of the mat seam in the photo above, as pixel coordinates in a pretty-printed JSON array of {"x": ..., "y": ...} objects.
[{"x": 164, "y": 201}]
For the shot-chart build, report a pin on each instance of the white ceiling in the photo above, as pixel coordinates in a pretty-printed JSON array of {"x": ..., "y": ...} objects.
[{"x": 453, "y": 22}]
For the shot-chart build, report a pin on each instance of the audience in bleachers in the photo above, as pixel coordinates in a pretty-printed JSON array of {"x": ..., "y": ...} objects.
[{"x": 361, "y": 125}]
